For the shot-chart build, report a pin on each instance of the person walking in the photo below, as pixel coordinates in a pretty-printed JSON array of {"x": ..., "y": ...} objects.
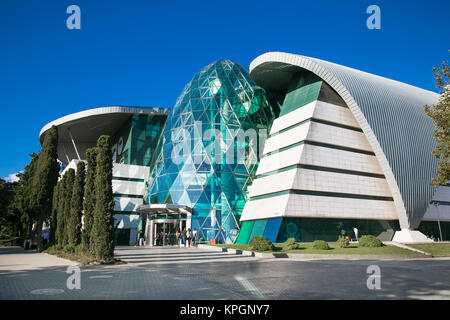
[
  {"x": 194, "y": 237},
  {"x": 178, "y": 235},
  {"x": 183, "y": 236},
  {"x": 189, "y": 237},
  {"x": 44, "y": 238},
  {"x": 355, "y": 230}
]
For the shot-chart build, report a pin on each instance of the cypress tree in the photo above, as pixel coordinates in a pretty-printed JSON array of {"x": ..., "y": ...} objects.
[
  {"x": 76, "y": 206},
  {"x": 65, "y": 199},
  {"x": 60, "y": 211},
  {"x": 89, "y": 198},
  {"x": 103, "y": 227},
  {"x": 54, "y": 216},
  {"x": 45, "y": 179}
]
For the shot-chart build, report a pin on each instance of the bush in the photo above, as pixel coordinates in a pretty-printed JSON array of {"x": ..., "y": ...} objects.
[
  {"x": 70, "y": 248},
  {"x": 82, "y": 248},
  {"x": 370, "y": 241},
  {"x": 290, "y": 244},
  {"x": 320, "y": 245},
  {"x": 259, "y": 243},
  {"x": 342, "y": 242}
]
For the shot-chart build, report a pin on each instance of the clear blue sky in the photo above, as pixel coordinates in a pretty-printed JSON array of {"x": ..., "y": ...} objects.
[{"x": 143, "y": 52}]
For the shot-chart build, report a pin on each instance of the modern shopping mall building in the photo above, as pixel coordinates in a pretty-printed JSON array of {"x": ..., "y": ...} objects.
[{"x": 297, "y": 147}]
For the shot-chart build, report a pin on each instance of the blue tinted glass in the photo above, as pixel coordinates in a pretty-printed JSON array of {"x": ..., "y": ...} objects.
[{"x": 272, "y": 228}]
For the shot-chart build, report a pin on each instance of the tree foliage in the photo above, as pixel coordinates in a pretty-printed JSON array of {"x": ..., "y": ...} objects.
[
  {"x": 76, "y": 206},
  {"x": 65, "y": 197},
  {"x": 89, "y": 196},
  {"x": 440, "y": 113},
  {"x": 45, "y": 179},
  {"x": 103, "y": 226},
  {"x": 21, "y": 208}
]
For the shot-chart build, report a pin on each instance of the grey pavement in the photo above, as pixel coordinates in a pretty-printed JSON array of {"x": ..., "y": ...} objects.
[{"x": 192, "y": 273}]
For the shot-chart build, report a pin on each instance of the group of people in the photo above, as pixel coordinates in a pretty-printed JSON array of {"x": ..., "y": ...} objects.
[
  {"x": 184, "y": 237},
  {"x": 355, "y": 231},
  {"x": 187, "y": 237}
]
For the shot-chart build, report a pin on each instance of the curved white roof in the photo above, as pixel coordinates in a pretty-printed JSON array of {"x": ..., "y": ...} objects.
[
  {"x": 86, "y": 126},
  {"x": 390, "y": 114}
]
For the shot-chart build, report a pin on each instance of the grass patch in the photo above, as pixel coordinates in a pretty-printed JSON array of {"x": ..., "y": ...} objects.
[
  {"x": 435, "y": 249},
  {"x": 84, "y": 258},
  {"x": 307, "y": 248}
]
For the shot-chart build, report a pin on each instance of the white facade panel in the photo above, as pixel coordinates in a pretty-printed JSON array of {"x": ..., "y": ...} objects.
[
  {"x": 325, "y": 181},
  {"x": 321, "y": 181},
  {"x": 293, "y": 117},
  {"x": 339, "y": 159},
  {"x": 287, "y": 138},
  {"x": 128, "y": 187},
  {"x": 130, "y": 171},
  {"x": 127, "y": 204},
  {"x": 319, "y": 156},
  {"x": 265, "y": 208},
  {"x": 273, "y": 183},
  {"x": 330, "y": 112},
  {"x": 324, "y": 133},
  {"x": 126, "y": 221},
  {"x": 281, "y": 159},
  {"x": 335, "y": 207}
]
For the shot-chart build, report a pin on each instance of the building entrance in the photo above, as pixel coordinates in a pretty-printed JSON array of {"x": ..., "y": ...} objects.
[{"x": 164, "y": 231}]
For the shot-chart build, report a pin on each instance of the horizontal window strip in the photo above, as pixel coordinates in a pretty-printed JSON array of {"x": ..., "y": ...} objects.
[
  {"x": 126, "y": 212},
  {"x": 440, "y": 203},
  {"x": 319, "y": 144},
  {"x": 317, "y": 168},
  {"x": 330, "y": 123},
  {"x": 128, "y": 179},
  {"x": 323, "y": 194},
  {"x": 121, "y": 195},
  {"x": 335, "y": 124}
]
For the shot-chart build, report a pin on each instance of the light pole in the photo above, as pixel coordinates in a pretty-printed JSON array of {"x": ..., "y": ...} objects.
[{"x": 436, "y": 204}]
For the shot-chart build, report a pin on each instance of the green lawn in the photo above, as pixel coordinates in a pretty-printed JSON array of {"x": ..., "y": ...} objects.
[
  {"x": 436, "y": 249},
  {"x": 306, "y": 248}
]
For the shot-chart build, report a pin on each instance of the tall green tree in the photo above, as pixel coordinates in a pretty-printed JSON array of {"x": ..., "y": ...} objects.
[
  {"x": 103, "y": 227},
  {"x": 8, "y": 219},
  {"x": 76, "y": 205},
  {"x": 54, "y": 215},
  {"x": 45, "y": 179},
  {"x": 67, "y": 198},
  {"x": 89, "y": 198},
  {"x": 60, "y": 228},
  {"x": 22, "y": 204},
  {"x": 440, "y": 113}
]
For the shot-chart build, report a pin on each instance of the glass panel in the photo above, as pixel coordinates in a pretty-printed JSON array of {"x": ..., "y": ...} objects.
[
  {"x": 272, "y": 228},
  {"x": 220, "y": 98},
  {"x": 245, "y": 232},
  {"x": 258, "y": 229}
]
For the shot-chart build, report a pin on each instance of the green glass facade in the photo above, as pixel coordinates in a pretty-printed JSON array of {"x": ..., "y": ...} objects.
[
  {"x": 278, "y": 230},
  {"x": 220, "y": 100},
  {"x": 139, "y": 136},
  {"x": 431, "y": 230}
]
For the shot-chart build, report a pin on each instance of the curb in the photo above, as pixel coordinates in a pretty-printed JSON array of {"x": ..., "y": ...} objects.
[{"x": 315, "y": 256}]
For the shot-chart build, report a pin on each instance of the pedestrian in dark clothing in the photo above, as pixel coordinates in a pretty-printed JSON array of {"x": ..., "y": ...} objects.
[{"x": 183, "y": 236}]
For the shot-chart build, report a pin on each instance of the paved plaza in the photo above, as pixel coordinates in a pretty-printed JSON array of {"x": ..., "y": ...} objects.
[{"x": 192, "y": 273}]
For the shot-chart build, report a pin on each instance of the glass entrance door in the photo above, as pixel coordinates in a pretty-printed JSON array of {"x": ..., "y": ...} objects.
[{"x": 164, "y": 232}]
